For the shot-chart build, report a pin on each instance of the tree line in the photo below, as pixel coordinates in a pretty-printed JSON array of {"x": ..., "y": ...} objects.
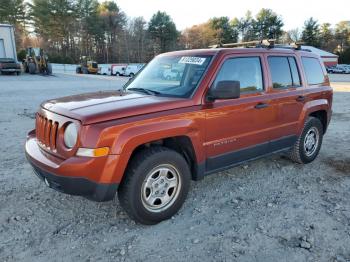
[{"x": 70, "y": 29}]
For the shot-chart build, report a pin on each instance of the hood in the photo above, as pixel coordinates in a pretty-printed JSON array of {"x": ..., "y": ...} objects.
[{"x": 109, "y": 105}]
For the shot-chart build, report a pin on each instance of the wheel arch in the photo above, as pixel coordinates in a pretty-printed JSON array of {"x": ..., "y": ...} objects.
[
  {"x": 316, "y": 108},
  {"x": 182, "y": 144},
  {"x": 179, "y": 136},
  {"x": 322, "y": 116}
]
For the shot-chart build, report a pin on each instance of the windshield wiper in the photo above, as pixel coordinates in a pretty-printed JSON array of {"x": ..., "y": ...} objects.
[{"x": 144, "y": 90}]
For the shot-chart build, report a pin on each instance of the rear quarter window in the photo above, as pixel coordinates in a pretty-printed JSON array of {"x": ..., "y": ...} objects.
[{"x": 313, "y": 70}]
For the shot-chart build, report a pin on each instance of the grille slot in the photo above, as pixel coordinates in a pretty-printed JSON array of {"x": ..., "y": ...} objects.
[{"x": 46, "y": 131}]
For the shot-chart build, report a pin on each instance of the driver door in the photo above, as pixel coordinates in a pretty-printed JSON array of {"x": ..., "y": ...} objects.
[{"x": 238, "y": 129}]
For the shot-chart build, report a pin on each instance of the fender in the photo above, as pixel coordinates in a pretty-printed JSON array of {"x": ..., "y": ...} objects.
[
  {"x": 135, "y": 135},
  {"x": 310, "y": 107}
]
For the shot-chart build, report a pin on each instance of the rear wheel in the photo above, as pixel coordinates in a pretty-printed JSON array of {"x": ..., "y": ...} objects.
[
  {"x": 49, "y": 69},
  {"x": 308, "y": 145},
  {"x": 155, "y": 185},
  {"x": 132, "y": 75}
]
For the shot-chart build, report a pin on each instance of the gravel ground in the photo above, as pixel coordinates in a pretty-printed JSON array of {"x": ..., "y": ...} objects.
[{"x": 268, "y": 210}]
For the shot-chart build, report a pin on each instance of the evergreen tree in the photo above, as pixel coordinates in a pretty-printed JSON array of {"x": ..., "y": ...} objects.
[
  {"x": 326, "y": 37},
  {"x": 163, "y": 31},
  {"x": 342, "y": 35},
  {"x": 267, "y": 25},
  {"x": 245, "y": 27},
  {"x": 14, "y": 12},
  {"x": 311, "y": 33},
  {"x": 223, "y": 31}
]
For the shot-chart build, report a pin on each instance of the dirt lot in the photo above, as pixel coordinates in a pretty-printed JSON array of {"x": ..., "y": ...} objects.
[{"x": 268, "y": 210}]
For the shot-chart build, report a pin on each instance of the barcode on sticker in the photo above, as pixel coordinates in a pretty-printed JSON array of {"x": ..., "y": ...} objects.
[{"x": 192, "y": 60}]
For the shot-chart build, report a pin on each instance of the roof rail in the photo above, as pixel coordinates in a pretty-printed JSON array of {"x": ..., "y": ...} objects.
[{"x": 265, "y": 43}]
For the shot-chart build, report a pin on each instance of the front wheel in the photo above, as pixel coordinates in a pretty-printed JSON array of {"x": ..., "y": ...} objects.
[
  {"x": 155, "y": 186},
  {"x": 308, "y": 145},
  {"x": 32, "y": 68}
]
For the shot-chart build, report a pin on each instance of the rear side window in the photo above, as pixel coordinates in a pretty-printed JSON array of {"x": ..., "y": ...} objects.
[
  {"x": 246, "y": 70},
  {"x": 284, "y": 72},
  {"x": 313, "y": 70}
]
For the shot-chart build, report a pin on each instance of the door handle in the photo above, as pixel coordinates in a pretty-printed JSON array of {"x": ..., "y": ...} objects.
[
  {"x": 300, "y": 98},
  {"x": 261, "y": 105}
]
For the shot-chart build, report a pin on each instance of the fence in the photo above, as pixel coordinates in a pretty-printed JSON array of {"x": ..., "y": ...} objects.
[{"x": 63, "y": 68}]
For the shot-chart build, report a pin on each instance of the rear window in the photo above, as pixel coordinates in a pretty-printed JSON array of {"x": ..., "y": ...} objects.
[
  {"x": 284, "y": 72},
  {"x": 313, "y": 70}
]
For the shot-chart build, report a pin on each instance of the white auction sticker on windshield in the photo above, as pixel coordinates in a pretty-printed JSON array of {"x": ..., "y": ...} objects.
[{"x": 192, "y": 60}]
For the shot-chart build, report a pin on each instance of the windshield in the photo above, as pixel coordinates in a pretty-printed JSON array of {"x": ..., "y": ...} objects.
[{"x": 176, "y": 76}]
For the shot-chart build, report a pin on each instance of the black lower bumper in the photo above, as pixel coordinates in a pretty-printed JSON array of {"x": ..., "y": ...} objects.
[{"x": 77, "y": 186}]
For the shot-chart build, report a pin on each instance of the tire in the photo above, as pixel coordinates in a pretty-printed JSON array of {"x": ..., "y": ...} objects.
[
  {"x": 49, "y": 69},
  {"x": 32, "y": 68},
  {"x": 117, "y": 74},
  {"x": 303, "y": 152},
  {"x": 143, "y": 180},
  {"x": 132, "y": 75},
  {"x": 85, "y": 71},
  {"x": 78, "y": 70}
]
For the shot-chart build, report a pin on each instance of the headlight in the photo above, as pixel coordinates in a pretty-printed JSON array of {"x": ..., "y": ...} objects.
[{"x": 71, "y": 135}]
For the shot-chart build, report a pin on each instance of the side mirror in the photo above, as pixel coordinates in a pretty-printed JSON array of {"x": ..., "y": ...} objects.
[{"x": 224, "y": 90}]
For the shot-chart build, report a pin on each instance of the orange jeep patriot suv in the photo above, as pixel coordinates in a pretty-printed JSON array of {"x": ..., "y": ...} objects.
[{"x": 219, "y": 107}]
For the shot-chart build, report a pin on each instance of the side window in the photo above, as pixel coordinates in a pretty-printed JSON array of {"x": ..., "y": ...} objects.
[
  {"x": 246, "y": 70},
  {"x": 294, "y": 71},
  {"x": 313, "y": 70},
  {"x": 284, "y": 71}
]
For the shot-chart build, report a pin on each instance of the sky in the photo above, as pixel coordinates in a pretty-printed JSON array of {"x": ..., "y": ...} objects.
[{"x": 186, "y": 13}]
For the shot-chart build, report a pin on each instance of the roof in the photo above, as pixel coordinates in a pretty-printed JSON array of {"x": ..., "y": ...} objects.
[{"x": 318, "y": 51}]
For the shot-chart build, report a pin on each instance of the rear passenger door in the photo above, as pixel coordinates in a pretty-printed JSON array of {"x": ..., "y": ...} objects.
[{"x": 287, "y": 95}]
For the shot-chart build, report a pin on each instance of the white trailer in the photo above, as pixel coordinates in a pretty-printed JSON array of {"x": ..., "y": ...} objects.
[
  {"x": 8, "y": 55},
  {"x": 7, "y": 42}
]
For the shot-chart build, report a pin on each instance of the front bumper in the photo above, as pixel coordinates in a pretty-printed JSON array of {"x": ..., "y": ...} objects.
[
  {"x": 77, "y": 186},
  {"x": 88, "y": 177}
]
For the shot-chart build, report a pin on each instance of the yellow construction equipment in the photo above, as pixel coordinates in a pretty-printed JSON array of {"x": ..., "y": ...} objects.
[
  {"x": 36, "y": 61},
  {"x": 87, "y": 66}
]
